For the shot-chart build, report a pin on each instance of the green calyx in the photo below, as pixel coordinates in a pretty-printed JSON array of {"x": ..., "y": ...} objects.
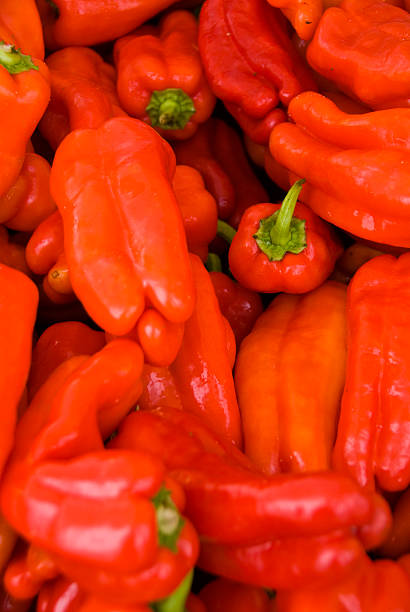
[
  {"x": 281, "y": 233},
  {"x": 54, "y": 7},
  {"x": 170, "y": 109},
  {"x": 225, "y": 231},
  {"x": 169, "y": 520},
  {"x": 176, "y": 601},
  {"x": 213, "y": 263},
  {"x": 14, "y": 60}
]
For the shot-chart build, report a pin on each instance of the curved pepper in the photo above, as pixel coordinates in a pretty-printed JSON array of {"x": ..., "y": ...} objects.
[
  {"x": 18, "y": 309},
  {"x": 289, "y": 396},
  {"x": 358, "y": 152},
  {"x": 198, "y": 209},
  {"x": 20, "y": 25},
  {"x": 160, "y": 76},
  {"x": 364, "y": 47},
  {"x": 373, "y": 436},
  {"x": 250, "y": 62},
  {"x": 45, "y": 244},
  {"x": 118, "y": 221},
  {"x": 228, "y": 501},
  {"x": 25, "y": 93},
  {"x": 83, "y": 93},
  {"x": 283, "y": 247},
  {"x": 209, "y": 389},
  {"x": 48, "y": 496},
  {"x": 88, "y": 22},
  {"x": 28, "y": 201},
  {"x": 304, "y": 16},
  {"x": 217, "y": 152}
]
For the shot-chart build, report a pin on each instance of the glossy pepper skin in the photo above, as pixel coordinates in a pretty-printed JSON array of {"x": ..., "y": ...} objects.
[
  {"x": 28, "y": 201},
  {"x": 217, "y": 152},
  {"x": 304, "y": 16},
  {"x": 239, "y": 306},
  {"x": 283, "y": 247},
  {"x": 206, "y": 354},
  {"x": 198, "y": 209},
  {"x": 160, "y": 78},
  {"x": 46, "y": 244},
  {"x": 118, "y": 223},
  {"x": 373, "y": 437},
  {"x": 289, "y": 378},
  {"x": 373, "y": 586},
  {"x": 245, "y": 48},
  {"x": 83, "y": 93},
  {"x": 18, "y": 304},
  {"x": 88, "y": 22},
  {"x": 50, "y": 498},
  {"x": 20, "y": 25},
  {"x": 358, "y": 151},
  {"x": 363, "y": 47},
  {"x": 218, "y": 481},
  {"x": 25, "y": 93}
]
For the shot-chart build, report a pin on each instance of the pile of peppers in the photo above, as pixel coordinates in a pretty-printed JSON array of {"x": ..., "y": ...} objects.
[{"x": 205, "y": 306}]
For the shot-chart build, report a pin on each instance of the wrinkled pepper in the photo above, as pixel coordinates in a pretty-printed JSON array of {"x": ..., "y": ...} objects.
[
  {"x": 83, "y": 93},
  {"x": 228, "y": 501},
  {"x": 245, "y": 47},
  {"x": 289, "y": 396},
  {"x": 18, "y": 305},
  {"x": 358, "y": 152},
  {"x": 160, "y": 78},
  {"x": 217, "y": 152},
  {"x": 373, "y": 437},
  {"x": 25, "y": 92},
  {"x": 20, "y": 25},
  {"x": 283, "y": 247},
  {"x": 88, "y": 22},
  {"x": 118, "y": 222},
  {"x": 28, "y": 201},
  {"x": 206, "y": 353},
  {"x": 48, "y": 496},
  {"x": 364, "y": 47}
]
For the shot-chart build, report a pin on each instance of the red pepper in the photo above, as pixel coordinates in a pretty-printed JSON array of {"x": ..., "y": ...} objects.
[
  {"x": 118, "y": 222},
  {"x": 398, "y": 541},
  {"x": 83, "y": 93},
  {"x": 209, "y": 389},
  {"x": 12, "y": 252},
  {"x": 217, "y": 152},
  {"x": 373, "y": 437},
  {"x": 250, "y": 62},
  {"x": 28, "y": 201},
  {"x": 223, "y": 595},
  {"x": 283, "y": 247},
  {"x": 45, "y": 244},
  {"x": 160, "y": 76},
  {"x": 20, "y": 25}
]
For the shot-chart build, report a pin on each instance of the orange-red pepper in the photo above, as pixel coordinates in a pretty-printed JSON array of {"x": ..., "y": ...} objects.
[
  {"x": 83, "y": 93},
  {"x": 363, "y": 47},
  {"x": 398, "y": 541},
  {"x": 304, "y": 16},
  {"x": 25, "y": 93},
  {"x": 12, "y": 252},
  {"x": 20, "y": 25},
  {"x": 160, "y": 76},
  {"x": 358, "y": 152},
  {"x": 124, "y": 238},
  {"x": 222, "y": 595},
  {"x": 217, "y": 152},
  {"x": 289, "y": 378},
  {"x": 373, "y": 436}
]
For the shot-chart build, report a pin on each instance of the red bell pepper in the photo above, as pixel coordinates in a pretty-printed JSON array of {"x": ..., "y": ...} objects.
[{"x": 20, "y": 25}]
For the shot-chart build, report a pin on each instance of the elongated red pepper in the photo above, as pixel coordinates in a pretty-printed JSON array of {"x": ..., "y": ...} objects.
[
  {"x": 283, "y": 247},
  {"x": 25, "y": 93},
  {"x": 217, "y": 152},
  {"x": 118, "y": 223},
  {"x": 245, "y": 48},
  {"x": 160, "y": 76},
  {"x": 20, "y": 25},
  {"x": 373, "y": 436},
  {"x": 18, "y": 303},
  {"x": 83, "y": 93},
  {"x": 209, "y": 389}
]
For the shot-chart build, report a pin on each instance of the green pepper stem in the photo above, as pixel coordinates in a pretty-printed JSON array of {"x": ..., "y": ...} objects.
[
  {"x": 280, "y": 232},
  {"x": 213, "y": 263},
  {"x": 225, "y": 231},
  {"x": 170, "y": 109},
  {"x": 176, "y": 601},
  {"x": 13, "y": 60}
]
